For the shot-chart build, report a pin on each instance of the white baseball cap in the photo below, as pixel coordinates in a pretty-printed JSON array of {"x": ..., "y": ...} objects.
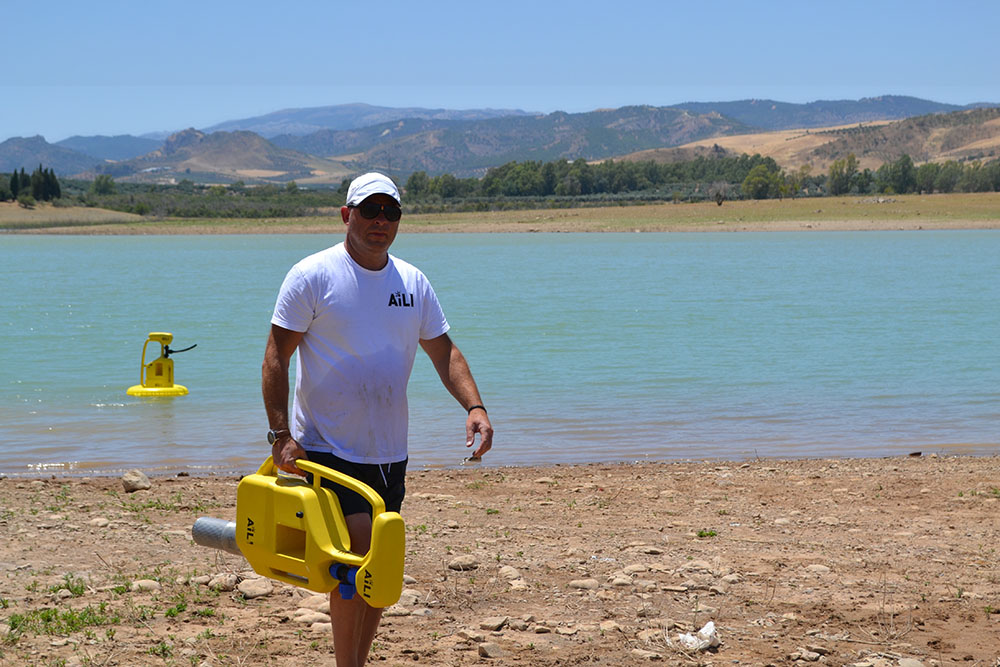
[{"x": 372, "y": 183}]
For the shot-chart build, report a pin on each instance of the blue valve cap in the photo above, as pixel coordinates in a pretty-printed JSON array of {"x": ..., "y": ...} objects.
[{"x": 347, "y": 591}]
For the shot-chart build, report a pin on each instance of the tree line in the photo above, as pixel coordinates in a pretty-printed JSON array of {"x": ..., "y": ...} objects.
[
  {"x": 41, "y": 185},
  {"x": 902, "y": 177},
  {"x": 687, "y": 180},
  {"x": 716, "y": 178},
  {"x": 559, "y": 183}
]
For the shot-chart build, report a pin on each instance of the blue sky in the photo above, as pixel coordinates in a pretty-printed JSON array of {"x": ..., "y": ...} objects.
[{"x": 131, "y": 67}]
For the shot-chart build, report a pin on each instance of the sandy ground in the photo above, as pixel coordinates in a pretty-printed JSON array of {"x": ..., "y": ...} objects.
[{"x": 841, "y": 562}]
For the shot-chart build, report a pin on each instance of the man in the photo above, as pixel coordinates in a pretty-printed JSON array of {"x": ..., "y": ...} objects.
[{"x": 356, "y": 314}]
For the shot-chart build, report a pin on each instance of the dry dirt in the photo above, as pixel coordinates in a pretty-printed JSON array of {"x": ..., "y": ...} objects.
[{"x": 862, "y": 561}]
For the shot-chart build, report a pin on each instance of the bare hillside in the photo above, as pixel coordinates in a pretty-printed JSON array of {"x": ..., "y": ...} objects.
[{"x": 961, "y": 135}]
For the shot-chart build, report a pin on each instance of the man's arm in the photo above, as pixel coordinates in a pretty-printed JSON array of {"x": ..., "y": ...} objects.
[
  {"x": 454, "y": 371},
  {"x": 281, "y": 344}
]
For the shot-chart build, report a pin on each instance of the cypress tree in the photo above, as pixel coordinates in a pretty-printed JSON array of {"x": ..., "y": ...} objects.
[
  {"x": 55, "y": 190},
  {"x": 38, "y": 184},
  {"x": 15, "y": 184}
]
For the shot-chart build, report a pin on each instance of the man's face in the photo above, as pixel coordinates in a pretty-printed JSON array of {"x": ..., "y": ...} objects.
[{"x": 373, "y": 236}]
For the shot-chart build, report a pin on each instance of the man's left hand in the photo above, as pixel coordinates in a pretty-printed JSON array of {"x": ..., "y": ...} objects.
[{"x": 479, "y": 422}]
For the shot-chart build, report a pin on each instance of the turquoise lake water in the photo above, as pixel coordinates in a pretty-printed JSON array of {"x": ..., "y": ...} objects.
[{"x": 587, "y": 347}]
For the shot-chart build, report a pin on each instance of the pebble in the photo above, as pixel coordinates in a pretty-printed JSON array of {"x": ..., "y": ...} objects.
[
  {"x": 818, "y": 569},
  {"x": 910, "y": 662},
  {"x": 471, "y": 635},
  {"x": 806, "y": 655},
  {"x": 490, "y": 650},
  {"x": 462, "y": 563},
  {"x": 321, "y": 627},
  {"x": 695, "y": 566},
  {"x": 310, "y": 617},
  {"x": 224, "y": 582},
  {"x": 99, "y": 522},
  {"x": 396, "y": 610},
  {"x": 145, "y": 585},
  {"x": 585, "y": 584},
  {"x": 135, "y": 480},
  {"x": 509, "y": 573},
  {"x": 255, "y": 588},
  {"x": 493, "y": 623},
  {"x": 643, "y": 654},
  {"x": 315, "y": 603}
]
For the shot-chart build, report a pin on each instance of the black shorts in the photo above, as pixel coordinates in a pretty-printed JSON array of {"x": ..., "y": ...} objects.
[{"x": 388, "y": 480}]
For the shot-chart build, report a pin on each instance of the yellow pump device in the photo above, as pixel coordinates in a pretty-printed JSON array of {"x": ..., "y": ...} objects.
[
  {"x": 295, "y": 532},
  {"x": 157, "y": 377}
]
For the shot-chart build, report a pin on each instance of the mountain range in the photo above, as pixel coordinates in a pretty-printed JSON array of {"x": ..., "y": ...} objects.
[{"x": 324, "y": 145}]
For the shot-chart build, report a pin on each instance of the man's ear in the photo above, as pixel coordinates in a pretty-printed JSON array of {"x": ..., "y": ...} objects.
[{"x": 345, "y": 214}]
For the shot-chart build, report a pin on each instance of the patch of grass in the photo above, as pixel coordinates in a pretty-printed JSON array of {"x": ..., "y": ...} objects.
[
  {"x": 707, "y": 533},
  {"x": 161, "y": 648},
  {"x": 60, "y": 622},
  {"x": 74, "y": 585},
  {"x": 173, "y": 612}
]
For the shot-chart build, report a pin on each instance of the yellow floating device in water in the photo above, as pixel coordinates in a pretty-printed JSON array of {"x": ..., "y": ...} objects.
[
  {"x": 295, "y": 532},
  {"x": 157, "y": 377}
]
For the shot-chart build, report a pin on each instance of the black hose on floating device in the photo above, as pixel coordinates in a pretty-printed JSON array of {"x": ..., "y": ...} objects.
[{"x": 167, "y": 351}]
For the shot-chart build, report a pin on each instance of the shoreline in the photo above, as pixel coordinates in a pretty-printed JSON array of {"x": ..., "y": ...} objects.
[
  {"x": 863, "y": 561},
  {"x": 202, "y": 472},
  {"x": 846, "y": 213}
]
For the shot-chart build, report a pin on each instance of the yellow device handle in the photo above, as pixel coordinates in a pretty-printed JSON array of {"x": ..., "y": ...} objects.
[
  {"x": 318, "y": 471},
  {"x": 363, "y": 490}
]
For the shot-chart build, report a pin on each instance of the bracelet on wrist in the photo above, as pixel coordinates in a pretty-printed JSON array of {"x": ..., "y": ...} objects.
[{"x": 479, "y": 407}]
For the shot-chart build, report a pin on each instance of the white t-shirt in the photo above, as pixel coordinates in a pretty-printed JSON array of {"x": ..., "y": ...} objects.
[{"x": 361, "y": 331}]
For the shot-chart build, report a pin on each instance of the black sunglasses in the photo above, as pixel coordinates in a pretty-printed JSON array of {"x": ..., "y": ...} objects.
[{"x": 370, "y": 210}]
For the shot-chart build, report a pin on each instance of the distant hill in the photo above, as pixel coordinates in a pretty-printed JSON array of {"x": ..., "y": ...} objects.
[
  {"x": 972, "y": 134},
  {"x": 347, "y": 117},
  {"x": 968, "y": 134},
  {"x": 341, "y": 142},
  {"x": 117, "y": 148},
  {"x": 31, "y": 151},
  {"x": 226, "y": 156},
  {"x": 467, "y": 148},
  {"x": 772, "y": 115},
  {"x": 359, "y": 137}
]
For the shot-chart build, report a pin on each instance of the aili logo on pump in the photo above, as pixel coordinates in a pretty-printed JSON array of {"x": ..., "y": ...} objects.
[{"x": 401, "y": 299}]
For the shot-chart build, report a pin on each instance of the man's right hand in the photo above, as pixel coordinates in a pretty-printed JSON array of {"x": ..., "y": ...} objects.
[{"x": 284, "y": 453}]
